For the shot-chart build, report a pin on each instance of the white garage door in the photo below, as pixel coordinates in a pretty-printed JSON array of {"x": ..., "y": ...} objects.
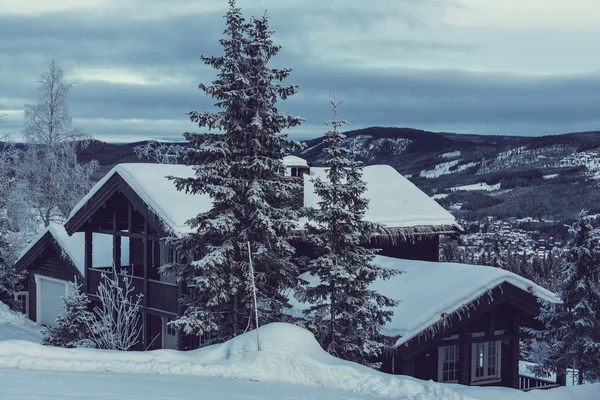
[{"x": 50, "y": 303}]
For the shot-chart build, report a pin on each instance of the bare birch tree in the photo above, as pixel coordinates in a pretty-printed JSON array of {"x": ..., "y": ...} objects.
[
  {"x": 160, "y": 152},
  {"x": 50, "y": 180}
]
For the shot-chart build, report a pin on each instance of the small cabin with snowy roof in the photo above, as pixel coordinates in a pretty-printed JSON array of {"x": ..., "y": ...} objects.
[{"x": 455, "y": 323}]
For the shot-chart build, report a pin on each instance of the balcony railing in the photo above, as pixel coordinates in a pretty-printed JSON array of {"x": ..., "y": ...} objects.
[
  {"x": 527, "y": 383},
  {"x": 161, "y": 296}
]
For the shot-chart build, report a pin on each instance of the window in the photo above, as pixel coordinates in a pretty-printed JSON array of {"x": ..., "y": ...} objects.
[
  {"x": 168, "y": 254},
  {"x": 485, "y": 361},
  {"x": 448, "y": 363},
  {"x": 170, "y": 329},
  {"x": 22, "y": 299}
]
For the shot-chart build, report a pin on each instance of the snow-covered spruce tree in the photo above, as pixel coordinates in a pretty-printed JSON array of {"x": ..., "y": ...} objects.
[
  {"x": 345, "y": 313},
  {"x": 241, "y": 168},
  {"x": 572, "y": 329},
  {"x": 116, "y": 325},
  {"x": 50, "y": 180},
  {"x": 72, "y": 329}
]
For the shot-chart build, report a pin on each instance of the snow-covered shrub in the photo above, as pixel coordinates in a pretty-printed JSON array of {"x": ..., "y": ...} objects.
[
  {"x": 117, "y": 318},
  {"x": 73, "y": 328}
]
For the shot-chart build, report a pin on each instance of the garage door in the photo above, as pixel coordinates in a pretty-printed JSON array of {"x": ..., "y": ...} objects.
[{"x": 50, "y": 295}]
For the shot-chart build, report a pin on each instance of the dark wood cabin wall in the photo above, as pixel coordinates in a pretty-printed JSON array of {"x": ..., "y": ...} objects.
[
  {"x": 52, "y": 266},
  {"x": 424, "y": 248},
  {"x": 425, "y": 364}
]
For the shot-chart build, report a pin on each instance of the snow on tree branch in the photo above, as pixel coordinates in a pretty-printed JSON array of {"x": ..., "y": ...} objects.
[{"x": 160, "y": 152}]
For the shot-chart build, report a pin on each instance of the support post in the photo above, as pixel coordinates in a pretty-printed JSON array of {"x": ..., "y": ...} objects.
[
  {"x": 514, "y": 350},
  {"x": 88, "y": 260},
  {"x": 254, "y": 294},
  {"x": 464, "y": 358},
  {"x": 116, "y": 257},
  {"x": 146, "y": 258}
]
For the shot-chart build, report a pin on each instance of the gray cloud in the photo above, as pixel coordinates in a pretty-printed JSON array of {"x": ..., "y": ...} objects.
[{"x": 346, "y": 50}]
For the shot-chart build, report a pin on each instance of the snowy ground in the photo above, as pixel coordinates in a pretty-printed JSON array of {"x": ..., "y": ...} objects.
[
  {"x": 291, "y": 365},
  {"x": 15, "y": 326},
  {"x": 51, "y": 385}
]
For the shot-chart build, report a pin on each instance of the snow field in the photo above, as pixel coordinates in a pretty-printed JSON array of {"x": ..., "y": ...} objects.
[{"x": 477, "y": 186}]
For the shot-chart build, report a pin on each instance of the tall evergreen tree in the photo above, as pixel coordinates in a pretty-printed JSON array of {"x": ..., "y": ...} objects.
[
  {"x": 345, "y": 313},
  {"x": 572, "y": 329},
  {"x": 241, "y": 168}
]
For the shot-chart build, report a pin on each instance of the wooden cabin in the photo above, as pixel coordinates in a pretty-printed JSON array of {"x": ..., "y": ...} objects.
[
  {"x": 457, "y": 323},
  {"x": 125, "y": 216}
]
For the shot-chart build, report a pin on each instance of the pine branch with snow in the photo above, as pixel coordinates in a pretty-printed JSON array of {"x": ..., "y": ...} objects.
[
  {"x": 345, "y": 315},
  {"x": 572, "y": 329},
  {"x": 159, "y": 152}
]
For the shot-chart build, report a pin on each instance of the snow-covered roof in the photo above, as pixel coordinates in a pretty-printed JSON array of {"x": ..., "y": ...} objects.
[
  {"x": 150, "y": 182},
  {"x": 428, "y": 290},
  {"x": 72, "y": 246},
  {"x": 395, "y": 202},
  {"x": 294, "y": 161}
]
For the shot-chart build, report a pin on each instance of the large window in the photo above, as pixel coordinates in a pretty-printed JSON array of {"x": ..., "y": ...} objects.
[
  {"x": 485, "y": 361},
  {"x": 448, "y": 363}
]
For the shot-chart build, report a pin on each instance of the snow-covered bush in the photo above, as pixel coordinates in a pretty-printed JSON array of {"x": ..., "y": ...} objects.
[
  {"x": 117, "y": 318},
  {"x": 73, "y": 328}
]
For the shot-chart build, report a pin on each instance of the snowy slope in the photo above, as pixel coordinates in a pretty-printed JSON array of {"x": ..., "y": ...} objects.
[
  {"x": 428, "y": 290},
  {"x": 15, "y": 326}
]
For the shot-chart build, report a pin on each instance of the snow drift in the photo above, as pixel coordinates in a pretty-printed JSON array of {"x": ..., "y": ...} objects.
[
  {"x": 17, "y": 326},
  {"x": 289, "y": 354}
]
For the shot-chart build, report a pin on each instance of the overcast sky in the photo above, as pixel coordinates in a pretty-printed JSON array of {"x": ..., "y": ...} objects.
[{"x": 472, "y": 66}]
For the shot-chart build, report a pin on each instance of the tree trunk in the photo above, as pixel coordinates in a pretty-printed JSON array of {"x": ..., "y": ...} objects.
[{"x": 332, "y": 310}]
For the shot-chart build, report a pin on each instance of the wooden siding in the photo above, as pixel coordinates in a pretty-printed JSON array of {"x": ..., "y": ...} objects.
[
  {"x": 501, "y": 316},
  {"x": 422, "y": 248},
  {"x": 51, "y": 265}
]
